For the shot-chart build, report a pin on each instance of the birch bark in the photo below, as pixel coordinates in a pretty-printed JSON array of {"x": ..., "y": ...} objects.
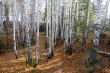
[
  {"x": 14, "y": 25},
  {"x": 26, "y": 25}
]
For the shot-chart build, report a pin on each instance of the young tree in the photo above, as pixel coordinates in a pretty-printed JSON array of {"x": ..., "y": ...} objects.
[
  {"x": 2, "y": 14},
  {"x": 84, "y": 32},
  {"x": 47, "y": 23},
  {"x": 14, "y": 25}
]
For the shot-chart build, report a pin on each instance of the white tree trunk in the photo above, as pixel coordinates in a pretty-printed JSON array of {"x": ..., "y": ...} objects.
[
  {"x": 2, "y": 14},
  {"x": 48, "y": 25},
  {"x": 38, "y": 26},
  {"x": 97, "y": 25},
  {"x": 26, "y": 24},
  {"x": 14, "y": 24}
]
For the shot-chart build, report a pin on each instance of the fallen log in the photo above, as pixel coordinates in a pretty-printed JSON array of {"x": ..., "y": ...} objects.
[
  {"x": 48, "y": 55},
  {"x": 104, "y": 54}
]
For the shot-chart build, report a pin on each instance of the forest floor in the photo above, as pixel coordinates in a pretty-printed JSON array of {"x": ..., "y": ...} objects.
[{"x": 59, "y": 63}]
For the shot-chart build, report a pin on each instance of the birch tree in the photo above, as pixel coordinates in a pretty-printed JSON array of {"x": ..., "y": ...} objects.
[
  {"x": 2, "y": 13},
  {"x": 69, "y": 17},
  {"x": 104, "y": 11},
  {"x": 62, "y": 19},
  {"x": 97, "y": 30},
  {"x": 26, "y": 25},
  {"x": 38, "y": 6},
  {"x": 33, "y": 19},
  {"x": 47, "y": 22},
  {"x": 84, "y": 31},
  {"x": 14, "y": 29},
  {"x": 49, "y": 27}
]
